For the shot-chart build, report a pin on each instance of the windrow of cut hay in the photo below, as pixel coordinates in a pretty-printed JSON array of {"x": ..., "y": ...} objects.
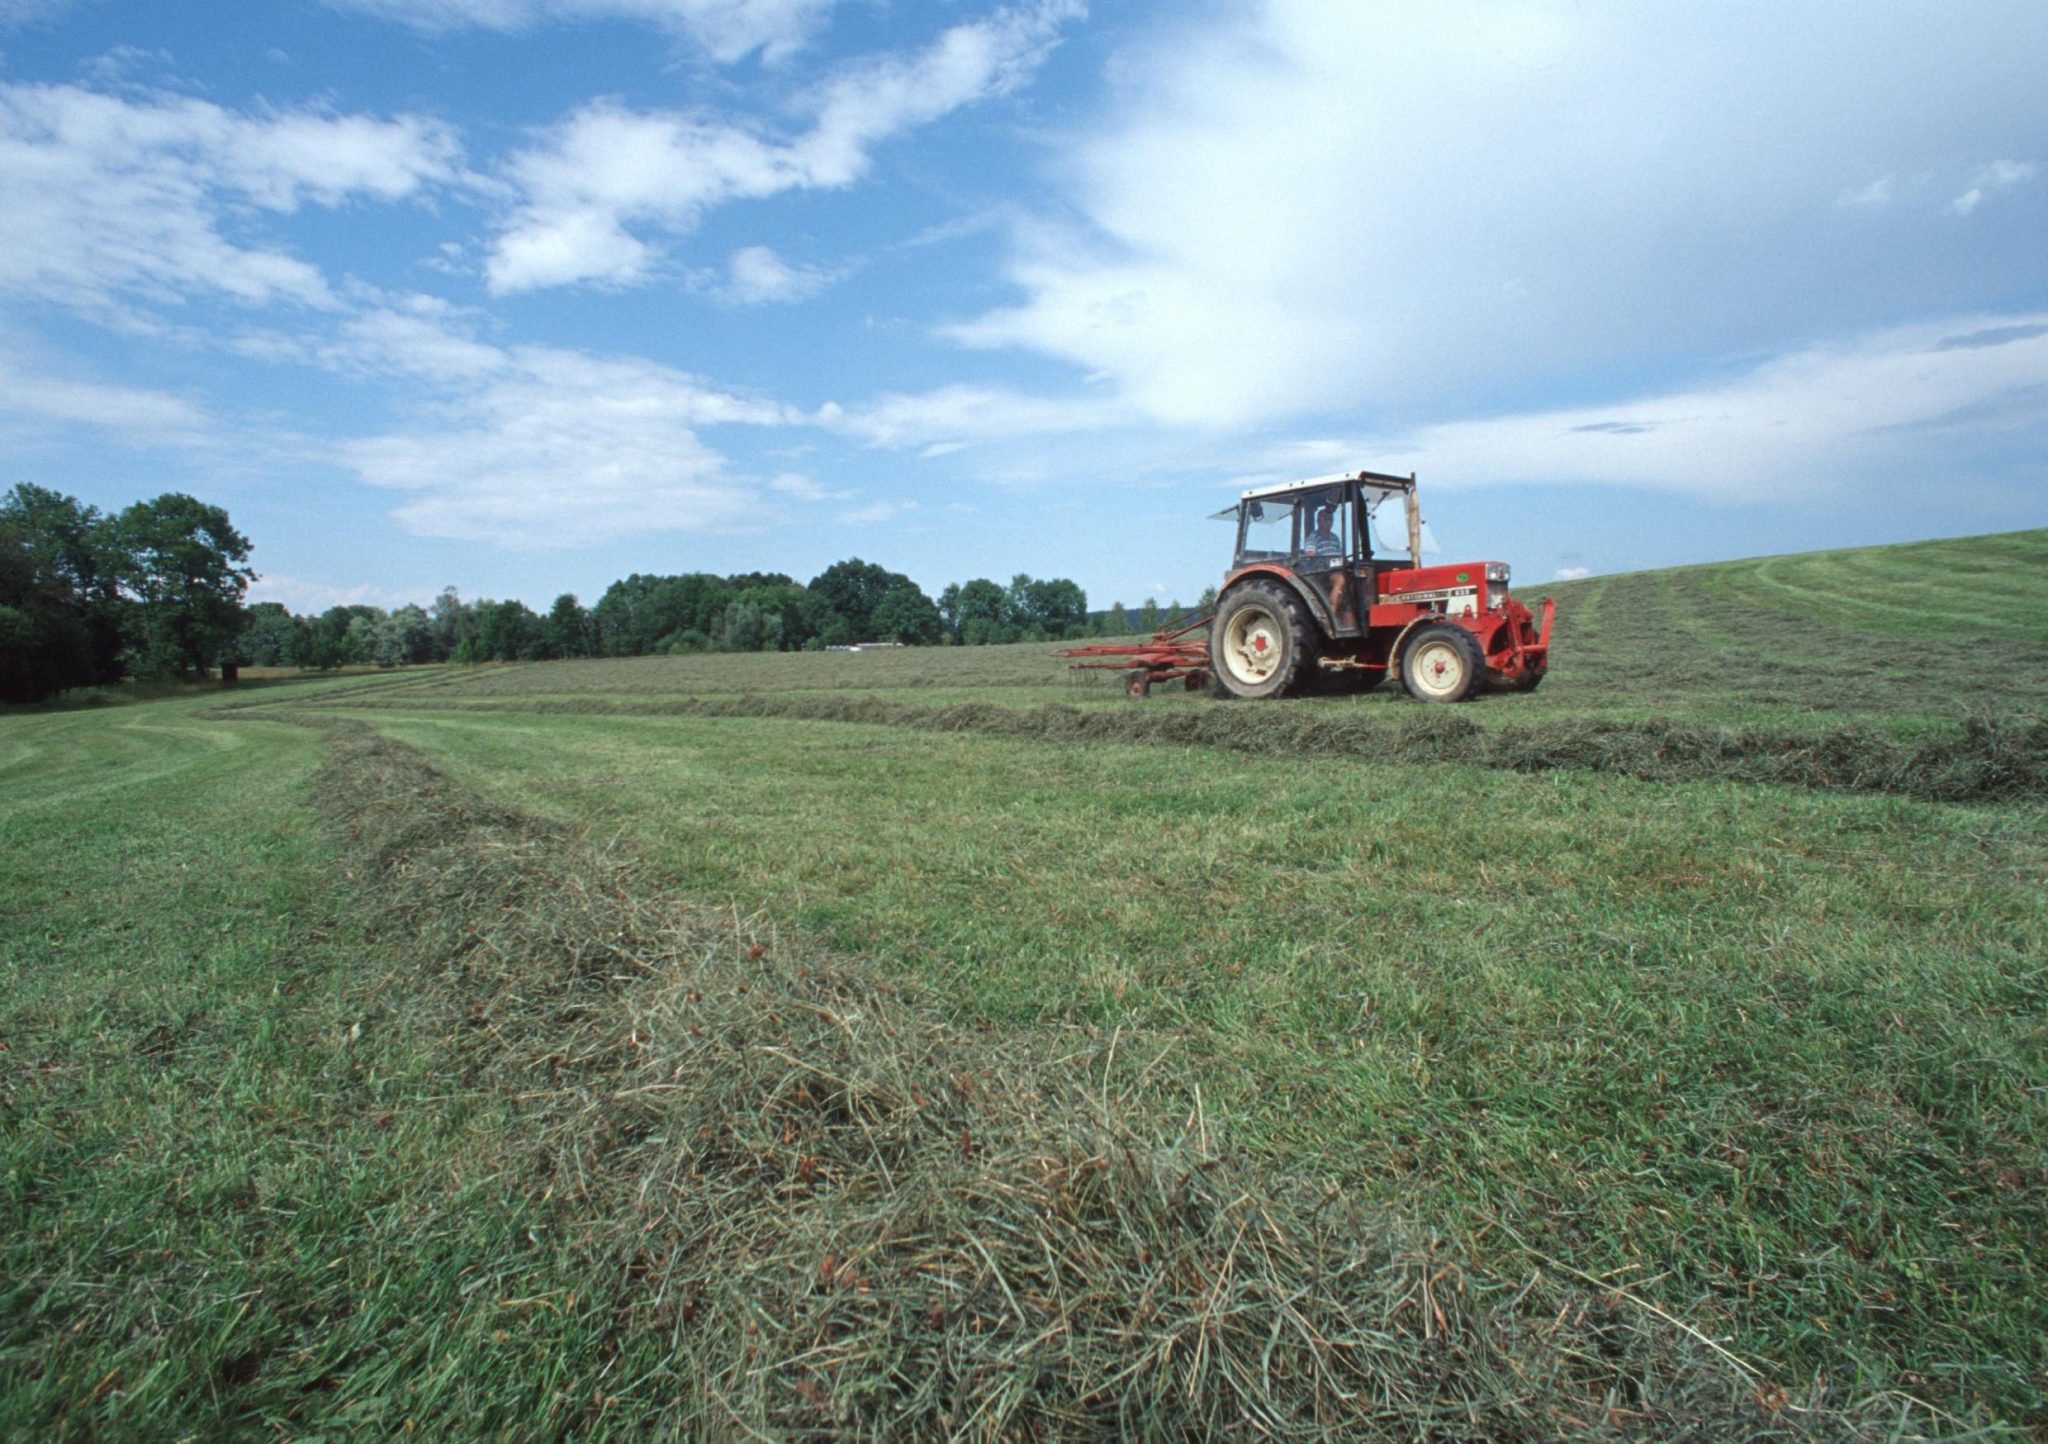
[
  {"x": 1985, "y": 759},
  {"x": 811, "y": 1202}
]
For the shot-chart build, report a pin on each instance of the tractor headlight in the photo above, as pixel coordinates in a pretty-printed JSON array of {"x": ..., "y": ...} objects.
[{"x": 1496, "y": 583}]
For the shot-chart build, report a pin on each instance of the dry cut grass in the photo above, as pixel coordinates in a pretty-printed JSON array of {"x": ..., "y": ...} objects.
[{"x": 814, "y": 1204}]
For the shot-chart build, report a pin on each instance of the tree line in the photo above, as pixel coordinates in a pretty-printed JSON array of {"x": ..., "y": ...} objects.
[
  {"x": 90, "y": 599},
  {"x": 646, "y": 615}
]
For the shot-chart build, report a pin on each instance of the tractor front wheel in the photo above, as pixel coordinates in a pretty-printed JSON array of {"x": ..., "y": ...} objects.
[
  {"x": 1262, "y": 642},
  {"x": 1442, "y": 663}
]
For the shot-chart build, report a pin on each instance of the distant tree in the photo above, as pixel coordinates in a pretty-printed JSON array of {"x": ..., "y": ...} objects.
[
  {"x": 1053, "y": 608},
  {"x": 981, "y": 612},
  {"x": 569, "y": 629},
  {"x": 181, "y": 563},
  {"x": 507, "y": 632},
  {"x": 1207, "y": 601},
  {"x": 268, "y": 634},
  {"x": 1148, "y": 617},
  {"x": 361, "y": 640},
  {"x": 743, "y": 629},
  {"x": 785, "y": 618},
  {"x": 818, "y": 622},
  {"x": 325, "y": 643},
  {"x": 453, "y": 622},
  {"x": 61, "y": 612},
  {"x": 907, "y": 615},
  {"x": 1118, "y": 622},
  {"x": 413, "y": 631},
  {"x": 854, "y": 589}
]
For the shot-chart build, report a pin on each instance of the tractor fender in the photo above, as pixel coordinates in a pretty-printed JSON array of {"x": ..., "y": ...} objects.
[
  {"x": 1483, "y": 629},
  {"x": 1401, "y": 641},
  {"x": 1318, "y": 607}
]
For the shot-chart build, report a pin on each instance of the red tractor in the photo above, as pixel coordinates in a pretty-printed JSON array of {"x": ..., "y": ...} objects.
[{"x": 1328, "y": 591}]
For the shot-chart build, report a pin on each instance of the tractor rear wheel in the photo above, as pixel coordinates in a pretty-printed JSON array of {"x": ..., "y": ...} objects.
[
  {"x": 1262, "y": 643},
  {"x": 1442, "y": 663}
]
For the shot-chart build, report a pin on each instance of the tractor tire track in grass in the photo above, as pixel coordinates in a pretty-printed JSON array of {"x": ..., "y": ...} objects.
[
  {"x": 1986, "y": 759},
  {"x": 810, "y": 1202}
]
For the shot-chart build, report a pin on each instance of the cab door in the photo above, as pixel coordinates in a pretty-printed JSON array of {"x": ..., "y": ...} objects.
[{"x": 1327, "y": 554}]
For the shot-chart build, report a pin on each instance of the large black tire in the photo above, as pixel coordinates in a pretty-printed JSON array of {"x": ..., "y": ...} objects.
[
  {"x": 1263, "y": 642},
  {"x": 1442, "y": 663},
  {"x": 1530, "y": 681}
]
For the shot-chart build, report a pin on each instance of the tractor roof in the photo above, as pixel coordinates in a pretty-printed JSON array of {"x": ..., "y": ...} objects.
[{"x": 1379, "y": 479}]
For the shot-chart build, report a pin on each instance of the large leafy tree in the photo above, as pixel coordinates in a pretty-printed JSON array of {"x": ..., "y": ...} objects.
[
  {"x": 60, "y": 609},
  {"x": 981, "y": 613},
  {"x": 906, "y": 614},
  {"x": 1050, "y": 608},
  {"x": 854, "y": 589},
  {"x": 181, "y": 563},
  {"x": 569, "y": 629}
]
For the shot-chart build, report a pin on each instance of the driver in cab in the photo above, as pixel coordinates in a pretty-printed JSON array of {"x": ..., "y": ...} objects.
[{"x": 1323, "y": 541}]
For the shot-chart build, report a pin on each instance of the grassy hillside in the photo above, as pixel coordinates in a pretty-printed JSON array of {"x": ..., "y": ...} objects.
[{"x": 941, "y": 1042}]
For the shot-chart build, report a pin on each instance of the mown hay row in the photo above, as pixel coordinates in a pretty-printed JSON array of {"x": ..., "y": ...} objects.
[
  {"x": 833, "y": 1210},
  {"x": 1986, "y": 759}
]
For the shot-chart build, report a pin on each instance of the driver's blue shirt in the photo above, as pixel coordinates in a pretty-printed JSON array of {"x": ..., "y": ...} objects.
[{"x": 1324, "y": 544}]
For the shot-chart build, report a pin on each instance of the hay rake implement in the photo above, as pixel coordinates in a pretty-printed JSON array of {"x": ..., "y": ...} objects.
[{"x": 1178, "y": 650}]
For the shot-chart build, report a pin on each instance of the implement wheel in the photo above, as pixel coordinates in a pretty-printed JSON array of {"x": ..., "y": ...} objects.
[
  {"x": 1139, "y": 683},
  {"x": 1442, "y": 663},
  {"x": 1262, "y": 643}
]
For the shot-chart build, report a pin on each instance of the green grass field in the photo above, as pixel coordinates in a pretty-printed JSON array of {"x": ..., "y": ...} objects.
[{"x": 501, "y": 1051}]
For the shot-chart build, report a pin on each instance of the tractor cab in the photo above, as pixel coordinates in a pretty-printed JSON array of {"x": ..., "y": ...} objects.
[{"x": 1336, "y": 534}]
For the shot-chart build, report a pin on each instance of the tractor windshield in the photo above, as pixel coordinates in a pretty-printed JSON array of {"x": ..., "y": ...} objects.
[{"x": 1388, "y": 514}]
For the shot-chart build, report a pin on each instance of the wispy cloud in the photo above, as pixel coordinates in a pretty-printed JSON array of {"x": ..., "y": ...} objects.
[
  {"x": 307, "y": 595},
  {"x": 2000, "y": 175},
  {"x": 601, "y": 190},
  {"x": 30, "y": 391},
  {"x": 727, "y": 30},
  {"x": 756, "y": 276},
  {"x": 1298, "y": 208},
  {"x": 112, "y": 200},
  {"x": 944, "y": 420},
  {"x": 537, "y": 447},
  {"x": 25, "y": 12},
  {"x": 1874, "y": 409}
]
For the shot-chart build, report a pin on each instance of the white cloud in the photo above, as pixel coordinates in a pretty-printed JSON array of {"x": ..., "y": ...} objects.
[
  {"x": 30, "y": 391},
  {"x": 804, "y": 488},
  {"x": 727, "y": 30},
  {"x": 756, "y": 276},
  {"x": 1879, "y": 192},
  {"x": 945, "y": 420},
  {"x": 1312, "y": 207},
  {"x": 606, "y": 172},
  {"x": 308, "y": 596},
  {"x": 1572, "y": 574},
  {"x": 2000, "y": 175},
  {"x": 876, "y": 513},
  {"x": 1881, "y": 409},
  {"x": 536, "y": 446},
  {"x": 110, "y": 200},
  {"x": 25, "y": 12}
]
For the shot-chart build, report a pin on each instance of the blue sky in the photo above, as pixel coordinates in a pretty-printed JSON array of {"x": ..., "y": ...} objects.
[{"x": 522, "y": 296}]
